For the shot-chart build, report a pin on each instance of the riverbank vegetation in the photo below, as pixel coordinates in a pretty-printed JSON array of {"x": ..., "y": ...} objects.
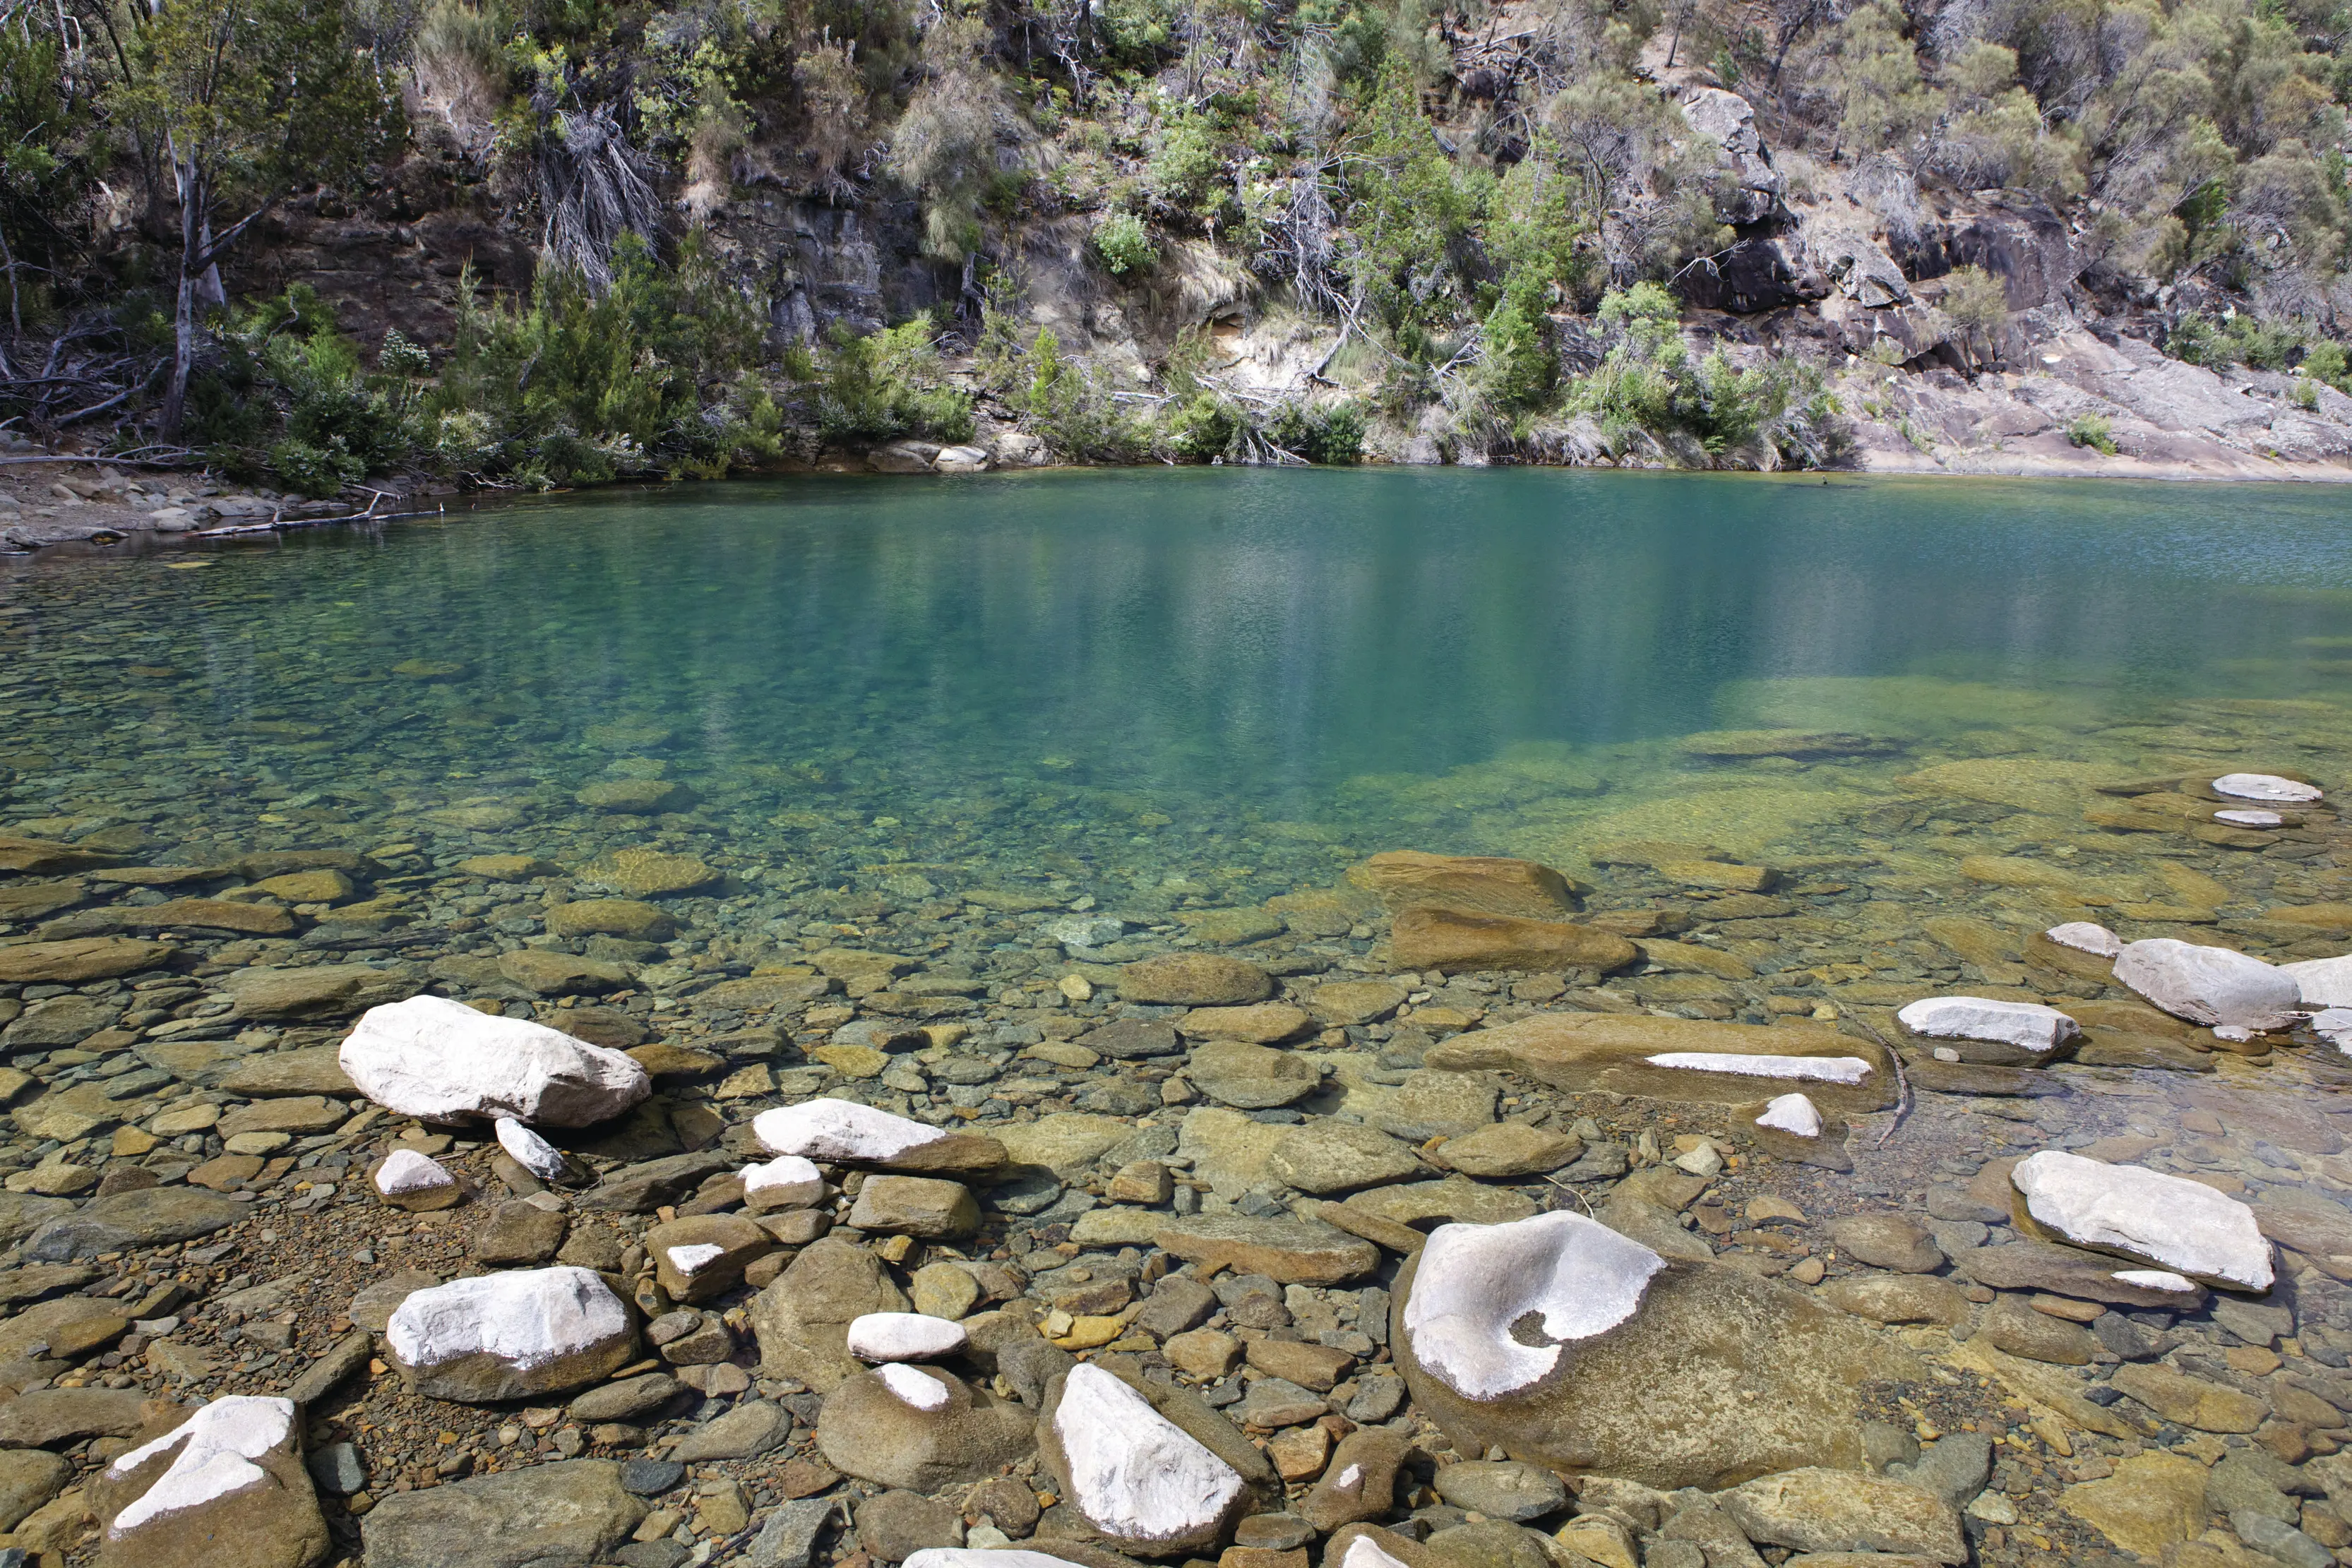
[{"x": 1501, "y": 208}]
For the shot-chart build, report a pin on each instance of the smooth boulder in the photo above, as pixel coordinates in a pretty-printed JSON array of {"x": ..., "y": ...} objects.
[
  {"x": 511, "y": 1335},
  {"x": 2004, "y": 1033},
  {"x": 918, "y": 1427},
  {"x": 2168, "y": 1222},
  {"x": 1139, "y": 1479},
  {"x": 441, "y": 1060},
  {"x": 2210, "y": 985}
]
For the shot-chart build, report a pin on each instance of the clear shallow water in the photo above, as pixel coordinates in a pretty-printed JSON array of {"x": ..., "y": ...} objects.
[
  {"x": 1026, "y": 673},
  {"x": 1166, "y": 695},
  {"x": 1210, "y": 642}
]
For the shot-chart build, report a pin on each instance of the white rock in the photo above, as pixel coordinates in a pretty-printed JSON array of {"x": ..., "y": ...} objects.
[
  {"x": 1792, "y": 1113},
  {"x": 442, "y": 1060},
  {"x": 1822, "y": 1069},
  {"x": 1476, "y": 1281},
  {"x": 922, "y": 1393},
  {"x": 217, "y": 1447},
  {"x": 2236, "y": 1033},
  {"x": 2167, "y": 1220},
  {"x": 2266, "y": 787},
  {"x": 2086, "y": 936},
  {"x": 2029, "y": 1026},
  {"x": 2209, "y": 984},
  {"x": 840, "y": 1130},
  {"x": 1134, "y": 1472},
  {"x": 525, "y": 1317},
  {"x": 529, "y": 1150},
  {"x": 2334, "y": 1025},
  {"x": 406, "y": 1171},
  {"x": 904, "y": 1336},
  {"x": 1365, "y": 1553},
  {"x": 2322, "y": 982},
  {"x": 2156, "y": 1279},
  {"x": 787, "y": 1181},
  {"x": 693, "y": 1258},
  {"x": 2251, "y": 819}
]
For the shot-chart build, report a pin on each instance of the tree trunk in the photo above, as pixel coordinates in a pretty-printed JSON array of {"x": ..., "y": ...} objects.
[{"x": 193, "y": 263}]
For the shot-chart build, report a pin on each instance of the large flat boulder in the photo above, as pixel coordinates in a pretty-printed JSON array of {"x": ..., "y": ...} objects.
[
  {"x": 80, "y": 959},
  {"x": 442, "y": 1060},
  {"x": 1669, "y": 1372},
  {"x": 1432, "y": 936},
  {"x": 1679, "y": 1059},
  {"x": 1487, "y": 884},
  {"x": 568, "y": 1515}
]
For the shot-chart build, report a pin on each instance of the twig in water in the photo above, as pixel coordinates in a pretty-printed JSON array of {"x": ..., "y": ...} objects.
[{"x": 1901, "y": 1080}]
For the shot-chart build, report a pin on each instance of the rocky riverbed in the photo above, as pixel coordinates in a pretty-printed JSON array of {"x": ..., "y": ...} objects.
[{"x": 557, "y": 1176}]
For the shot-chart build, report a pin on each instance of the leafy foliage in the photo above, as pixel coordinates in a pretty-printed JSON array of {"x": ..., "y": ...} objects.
[{"x": 647, "y": 378}]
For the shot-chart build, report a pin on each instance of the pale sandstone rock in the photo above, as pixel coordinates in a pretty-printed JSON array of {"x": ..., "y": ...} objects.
[{"x": 440, "y": 1060}]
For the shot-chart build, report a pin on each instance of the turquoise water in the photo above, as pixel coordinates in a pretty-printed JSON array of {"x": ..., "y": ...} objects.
[{"x": 1280, "y": 663}]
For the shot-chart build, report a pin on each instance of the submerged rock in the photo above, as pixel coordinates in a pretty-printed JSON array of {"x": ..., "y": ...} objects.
[
  {"x": 1668, "y": 1371},
  {"x": 1678, "y": 1058},
  {"x": 1482, "y": 883},
  {"x": 1429, "y": 936},
  {"x": 1816, "y": 1509}
]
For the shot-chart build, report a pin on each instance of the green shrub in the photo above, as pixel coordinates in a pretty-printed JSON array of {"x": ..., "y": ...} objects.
[
  {"x": 2328, "y": 361},
  {"x": 287, "y": 395},
  {"x": 650, "y": 377},
  {"x": 1125, "y": 245},
  {"x": 1077, "y": 421},
  {"x": 1202, "y": 426},
  {"x": 884, "y": 386},
  {"x": 2093, "y": 431},
  {"x": 1516, "y": 367},
  {"x": 1332, "y": 434}
]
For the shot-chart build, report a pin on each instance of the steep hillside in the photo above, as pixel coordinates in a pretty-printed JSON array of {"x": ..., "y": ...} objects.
[{"x": 330, "y": 243}]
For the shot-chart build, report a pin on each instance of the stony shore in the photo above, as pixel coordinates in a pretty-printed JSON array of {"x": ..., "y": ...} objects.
[{"x": 1206, "y": 1152}]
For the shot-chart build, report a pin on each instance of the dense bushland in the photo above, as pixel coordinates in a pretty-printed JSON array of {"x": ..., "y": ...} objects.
[{"x": 1497, "y": 203}]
